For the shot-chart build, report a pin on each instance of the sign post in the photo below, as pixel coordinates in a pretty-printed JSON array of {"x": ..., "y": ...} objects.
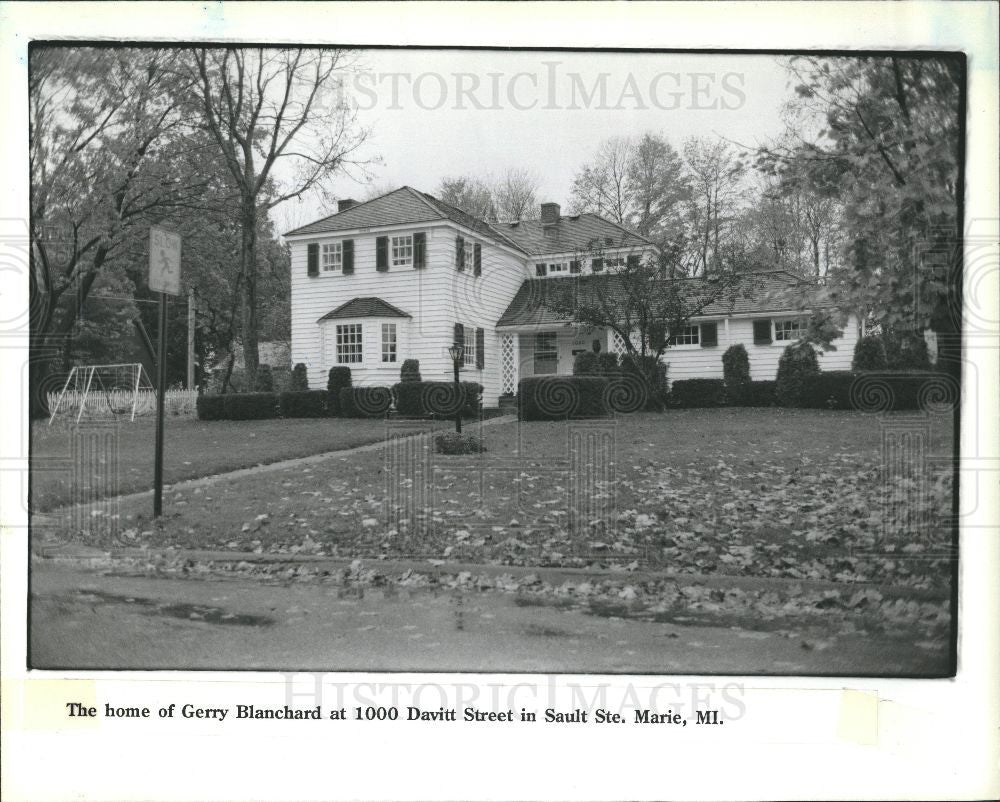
[{"x": 164, "y": 278}]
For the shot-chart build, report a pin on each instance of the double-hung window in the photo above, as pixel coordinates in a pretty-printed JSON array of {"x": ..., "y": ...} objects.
[
  {"x": 388, "y": 342},
  {"x": 546, "y": 353},
  {"x": 332, "y": 254},
  {"x": 350, "y": 348},
  {"x": 402, "y": 250},
  {"x": 685, "y": 336},
  {"x": 469, "y": 358},
  {"x": 558, "y": 268},
  {"x": 785, "y": 330}
]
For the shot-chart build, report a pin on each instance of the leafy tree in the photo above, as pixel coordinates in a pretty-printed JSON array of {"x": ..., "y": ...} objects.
[
  {"x": 887, "y": 144},
  {"x": 470, "y": 194},
  {"x": 639, "y": 304},
  {"x": 103, "y": 143}
]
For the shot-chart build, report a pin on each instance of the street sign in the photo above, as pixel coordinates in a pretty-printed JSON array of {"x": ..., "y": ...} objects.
[{"x": 164, "y": 261}]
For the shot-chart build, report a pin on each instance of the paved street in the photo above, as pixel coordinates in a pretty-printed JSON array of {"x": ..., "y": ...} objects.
[{"x": 86, "y": 619}]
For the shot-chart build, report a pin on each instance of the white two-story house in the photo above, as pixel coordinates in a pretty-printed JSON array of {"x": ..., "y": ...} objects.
[{"x": 405, "y": 275}]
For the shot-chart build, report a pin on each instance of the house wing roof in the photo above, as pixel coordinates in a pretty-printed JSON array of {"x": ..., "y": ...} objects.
[
  {"x": 771, "y": 291},
  {"x": 574, "y": 233},
  {"x": 364, "y": 307}
]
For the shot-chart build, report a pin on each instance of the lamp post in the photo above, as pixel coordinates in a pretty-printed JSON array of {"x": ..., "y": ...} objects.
[{"x": 456, "y": 352}]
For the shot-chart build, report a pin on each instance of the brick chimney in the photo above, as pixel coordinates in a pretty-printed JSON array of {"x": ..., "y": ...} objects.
[
  {"x": 550, "y": 214},
  {"x": 345, "y": 204}
]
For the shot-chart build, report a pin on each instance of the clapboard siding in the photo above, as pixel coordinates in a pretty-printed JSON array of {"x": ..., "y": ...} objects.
[
  {"x": 706, "y": 363},
  {"x": 435, "y": 297}
]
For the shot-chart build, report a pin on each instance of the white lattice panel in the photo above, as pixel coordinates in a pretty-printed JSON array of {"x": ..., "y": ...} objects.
[
  {"x": 617, "y": 343},
  {"x": 508, "y": 364}
]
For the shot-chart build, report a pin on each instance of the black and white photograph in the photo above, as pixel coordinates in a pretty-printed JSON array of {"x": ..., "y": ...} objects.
[
  {"x": 458, "y": 372},
  {"x": 397, "y": 356}
]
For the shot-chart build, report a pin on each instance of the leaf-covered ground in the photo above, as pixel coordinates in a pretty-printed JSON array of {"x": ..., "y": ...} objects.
[
  {"x": 193, "y": 448},
  {"x": 754, "y": 492}
]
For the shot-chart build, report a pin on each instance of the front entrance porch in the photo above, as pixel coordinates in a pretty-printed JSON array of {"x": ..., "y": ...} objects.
[{"x": 547, "y": 350}]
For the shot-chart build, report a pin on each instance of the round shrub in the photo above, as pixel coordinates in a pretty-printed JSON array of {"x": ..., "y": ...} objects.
[
  {"x": 410, "y": 370},
  {"x": 905, "y": 350},
  {"x": 338, "y": 378},
  {"x": 607, "y": 363},
  {"x": 736, "y": 373},
  {"x": 798, "y": 364},
  {"x": 585, "y": 364},
  {"x": 300, "y": 378},
  {"x": 869, "y": 354},
  {"x": 265, "y": 380}
]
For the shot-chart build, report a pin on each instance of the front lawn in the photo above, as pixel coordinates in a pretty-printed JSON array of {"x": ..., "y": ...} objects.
[
  {"x": 760, "y": 492},
  {"x": 193, "y": 448}
]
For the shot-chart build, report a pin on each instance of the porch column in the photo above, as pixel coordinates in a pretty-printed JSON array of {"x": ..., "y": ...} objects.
[{"x": 509, "y": 362}]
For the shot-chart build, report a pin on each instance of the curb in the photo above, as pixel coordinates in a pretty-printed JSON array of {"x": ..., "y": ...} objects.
[{"x": 552, "y": 575}]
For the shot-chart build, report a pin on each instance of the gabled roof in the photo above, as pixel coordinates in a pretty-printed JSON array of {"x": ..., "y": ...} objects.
[
  {"x": 364, "y": 307},
  {"x": 771, "y": 291},
  {"x": 578, "y": 233},
  {"x": 401, "y": 206}
]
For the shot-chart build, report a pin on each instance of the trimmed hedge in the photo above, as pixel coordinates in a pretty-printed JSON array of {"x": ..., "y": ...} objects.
[
  {"x": 829, "y": 390},
  {"x": 759, "y": 394},
  {"x": 562, "y": 397},
  {"x": 887, "y": 391},
  {"x": 211, "y": 406},
  {"x": 337, "y": 379},
  {"x": 697, "y": 393},
  {"x": 437, "y": 399},
  {"x": 365, "y": 402},
  {"x": 303, "y": 404}
]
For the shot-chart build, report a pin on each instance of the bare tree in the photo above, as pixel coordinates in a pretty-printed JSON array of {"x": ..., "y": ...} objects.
[
  {"x": 263, "y": 107},
  {"x": 603, "y": 186},
  {"x": 515, "y": 196},
  {"x": 715, "y": 175},
  {"x": 470, "y": 194}
]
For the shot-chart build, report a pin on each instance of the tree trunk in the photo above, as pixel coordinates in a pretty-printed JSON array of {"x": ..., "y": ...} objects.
[{"x": 248, "y": 307}]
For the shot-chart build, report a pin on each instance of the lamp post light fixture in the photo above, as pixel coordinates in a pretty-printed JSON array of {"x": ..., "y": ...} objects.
[{"x": 457, "y": 352}]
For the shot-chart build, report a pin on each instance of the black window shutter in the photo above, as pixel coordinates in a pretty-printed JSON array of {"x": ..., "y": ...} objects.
[
  {"x": 312, "y": 260},
  {"x": 347, "y": 256},
  {"x": 709, "y": 334},
  {"x": 459, "y": 339},
  {"x": 420, "y": 250},
  {"x": 574, "y": 266},
  {"x": 632, "y": 261},
  {"x": 657, "y": 336},
  {"x": 477, "y": 259},
  {"x": 761, "y": 332},
  {"x": 540, "y": 268},
  {"x": 480, "y": 346},
  {"x": 459, "y": 253},
  {"x": 597, "y": 265},
  {"x": 382, "y": 254}
]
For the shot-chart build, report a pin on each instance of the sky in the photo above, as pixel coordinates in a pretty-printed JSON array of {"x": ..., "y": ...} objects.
[{"x": 437, "y": 113}]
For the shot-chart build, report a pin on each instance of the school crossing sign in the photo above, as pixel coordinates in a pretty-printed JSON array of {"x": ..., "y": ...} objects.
[{"x": 164, "y": 261}]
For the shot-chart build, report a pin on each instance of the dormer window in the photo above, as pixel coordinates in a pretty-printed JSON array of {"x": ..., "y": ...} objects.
[
  {"x": 402, "y": 250},
  {"x": 332, "y": 257}
]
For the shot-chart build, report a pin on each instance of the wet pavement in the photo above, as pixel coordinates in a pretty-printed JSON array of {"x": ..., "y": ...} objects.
[{"x": 87, "y": 619}]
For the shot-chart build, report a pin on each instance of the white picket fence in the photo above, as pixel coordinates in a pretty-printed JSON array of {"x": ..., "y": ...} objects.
[{"x": 117, "y": 404}]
